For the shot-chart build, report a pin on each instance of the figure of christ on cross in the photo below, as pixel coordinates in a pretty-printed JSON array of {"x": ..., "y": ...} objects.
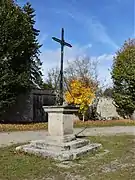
[{"x": 62, "y": 43}]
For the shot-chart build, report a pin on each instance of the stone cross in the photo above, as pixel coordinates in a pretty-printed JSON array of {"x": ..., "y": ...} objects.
[
  {"x": 61, "y": 143},
  {"x": 62, "y": 43}
]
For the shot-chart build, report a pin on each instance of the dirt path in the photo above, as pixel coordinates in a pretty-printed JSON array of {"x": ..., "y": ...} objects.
[{"x": 25, "y": 136}]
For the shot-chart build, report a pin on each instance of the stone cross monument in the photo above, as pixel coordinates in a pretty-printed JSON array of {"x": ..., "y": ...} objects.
[
  {"x": 62, "y": 43},
  {"x": 61, "y": 143}
]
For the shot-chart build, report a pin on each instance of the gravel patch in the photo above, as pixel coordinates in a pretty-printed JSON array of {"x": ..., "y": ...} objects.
[{"x": 9, "y": 138}]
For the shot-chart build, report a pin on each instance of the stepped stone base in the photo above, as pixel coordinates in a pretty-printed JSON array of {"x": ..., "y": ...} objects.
[{"x": 65, "y": 148}]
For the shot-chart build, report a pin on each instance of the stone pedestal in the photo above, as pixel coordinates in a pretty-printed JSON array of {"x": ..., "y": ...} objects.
[
  {"x": 60, "y": 120},
  {"x": 61, "y": 143}
]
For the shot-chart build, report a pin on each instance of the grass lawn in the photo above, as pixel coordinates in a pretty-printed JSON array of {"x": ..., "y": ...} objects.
[
  {"x": 77, "y": 124},
  {"x": 117, "y": 164}
]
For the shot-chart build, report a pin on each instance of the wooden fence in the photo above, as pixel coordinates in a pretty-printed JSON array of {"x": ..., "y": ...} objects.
[
  {"x": 42, "y": 98},
  {"x": 29, "y": 107}
]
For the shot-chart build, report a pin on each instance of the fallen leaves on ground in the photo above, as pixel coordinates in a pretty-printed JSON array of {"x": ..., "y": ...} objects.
[
  {"x": 104, "y": 123},
  {"x": 23, "y": 127},
  {"x": 77, "y": 124}
]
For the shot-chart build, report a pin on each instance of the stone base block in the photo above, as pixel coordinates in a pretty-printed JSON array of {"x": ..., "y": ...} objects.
[
  {"x": 59, "y": 150},
  {"x": 59, "y": 139}
]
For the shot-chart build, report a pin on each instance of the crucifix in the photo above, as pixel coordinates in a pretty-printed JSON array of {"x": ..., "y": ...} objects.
[{"x": 62, "y": 43}]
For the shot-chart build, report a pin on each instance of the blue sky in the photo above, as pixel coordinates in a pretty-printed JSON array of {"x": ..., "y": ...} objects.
[{"x": 96, "y": 28}]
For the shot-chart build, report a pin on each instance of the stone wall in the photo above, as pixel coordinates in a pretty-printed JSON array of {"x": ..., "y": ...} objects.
[
  {"x": 133, "y": 116},
  {"x": 106, "y": 109}
]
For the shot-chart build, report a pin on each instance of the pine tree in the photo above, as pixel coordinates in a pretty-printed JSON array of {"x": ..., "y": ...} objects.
[
  {"x": 19, "y": 51},
  {"x": 34, "y": 60}
]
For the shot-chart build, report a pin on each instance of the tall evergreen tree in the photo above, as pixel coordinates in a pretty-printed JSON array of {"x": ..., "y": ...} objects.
[
  {"x": 35, "y": 63},
  {"x": 123, "y": 75},
  {"x": 19, "y": 52}
]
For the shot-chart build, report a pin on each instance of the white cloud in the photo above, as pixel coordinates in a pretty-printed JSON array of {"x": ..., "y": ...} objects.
[
  {"x": 93, "y": 25},
  {"x": 51, "y": 59},
  {"x": 105, "y": 58},
  {"x": 99, "y": 32},
  {"x": 42, "y": 38},
  {"x": 104, "y": 68}
]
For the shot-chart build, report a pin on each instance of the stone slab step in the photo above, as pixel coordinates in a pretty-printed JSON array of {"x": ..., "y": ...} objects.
[
  {"x": 43, "y": 144},
  {"x": 60, "y": 155}
]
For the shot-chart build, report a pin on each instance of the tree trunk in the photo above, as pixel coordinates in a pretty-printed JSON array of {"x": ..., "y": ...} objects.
[{"x": 83, "y": 117}]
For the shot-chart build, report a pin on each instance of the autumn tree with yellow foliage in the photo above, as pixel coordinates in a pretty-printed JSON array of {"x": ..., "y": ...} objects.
[{"x": 80, "y": 93}]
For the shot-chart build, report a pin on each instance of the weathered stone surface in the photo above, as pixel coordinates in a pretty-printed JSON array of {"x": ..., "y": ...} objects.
[
  {"x": 61, "y": 144},
  {"x": 60, "y": 120},
  {"x": 106, "y": 109},
  {"x": 60, "y": 139},
  {"x": 133, "y": 116},
  {"x": 51, "y": 144},
  {"x": 60, "y": 151}
]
